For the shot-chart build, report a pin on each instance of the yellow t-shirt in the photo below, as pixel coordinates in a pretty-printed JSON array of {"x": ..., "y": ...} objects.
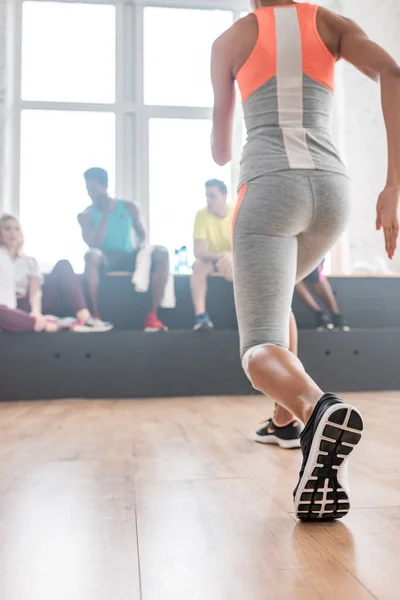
[{"x": 217, "y": 232}]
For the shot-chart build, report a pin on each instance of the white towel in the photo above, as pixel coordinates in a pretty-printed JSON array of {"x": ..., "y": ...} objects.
[
  {"x": 8, "y": 295},
  {"x": 141, "y": 277}
]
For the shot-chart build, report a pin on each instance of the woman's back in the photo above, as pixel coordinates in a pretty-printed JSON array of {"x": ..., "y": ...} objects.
[{"x": 286, "y": 83}]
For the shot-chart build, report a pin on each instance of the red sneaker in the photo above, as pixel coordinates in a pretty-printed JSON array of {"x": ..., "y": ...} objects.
[{"x": 153, "y": 323}]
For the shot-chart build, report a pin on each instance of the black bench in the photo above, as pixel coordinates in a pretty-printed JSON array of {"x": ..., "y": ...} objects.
[{"x": 127, "y": 362}]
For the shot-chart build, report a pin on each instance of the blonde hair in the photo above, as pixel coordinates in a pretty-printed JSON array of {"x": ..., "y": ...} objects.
[{"x": 3, "y": 220}]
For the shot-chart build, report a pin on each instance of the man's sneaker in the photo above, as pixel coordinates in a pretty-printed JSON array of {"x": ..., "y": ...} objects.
[
  {"x": 203, "y": 323},
  {"x": 286, "y": 437},
  {"x": 152, "y": 323},
  {"x": 332, "y": 432},
  {"x": 322, "y": 322},
  {"x": 92, "y": 325},
  {"x": 339, "y": 323}
]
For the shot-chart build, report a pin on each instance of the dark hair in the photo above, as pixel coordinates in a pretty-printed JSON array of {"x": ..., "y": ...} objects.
[
  {"x": 97, "y": 174},
  {"x": 218, "y": 184}
]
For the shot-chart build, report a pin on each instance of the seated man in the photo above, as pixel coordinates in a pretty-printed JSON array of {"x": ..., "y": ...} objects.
[
  {"x": 212, "y": 247},
  {"x": 108, "y": 226},
  {"x": 323, "y": 289}
]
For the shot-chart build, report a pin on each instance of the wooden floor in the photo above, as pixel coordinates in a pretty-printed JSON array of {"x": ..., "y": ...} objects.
[{"x": 171, "y": 500}]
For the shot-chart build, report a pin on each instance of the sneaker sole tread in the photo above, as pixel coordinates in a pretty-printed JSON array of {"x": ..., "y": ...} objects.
[{"x": 320, "y": 494}]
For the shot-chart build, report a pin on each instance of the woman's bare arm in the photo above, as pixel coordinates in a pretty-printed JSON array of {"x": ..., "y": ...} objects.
[
  {"x": 224, "y": 100},
  {"x": 369, "y": 58},
  {"x": 230, "y": 52}
]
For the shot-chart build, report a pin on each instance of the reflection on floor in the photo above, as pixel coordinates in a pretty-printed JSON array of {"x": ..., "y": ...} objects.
[{"x": 171, "y": 500}]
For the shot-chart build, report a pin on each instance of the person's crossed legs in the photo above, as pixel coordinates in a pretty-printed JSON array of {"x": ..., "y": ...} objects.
[
  {"x": 285, "y": 224},
  {"x": 323, "y": 290},
  {"x": 97, "y": 262},
  {"x": 62, "y": 288},
  {"x": 14, "y": 320}
]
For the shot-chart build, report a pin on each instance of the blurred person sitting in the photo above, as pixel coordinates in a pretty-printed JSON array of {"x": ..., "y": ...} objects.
[
  {"x": 212, "y": 248},
  {"x": 108, "y": 228},
  {"x": 28, "y": 298},
  {"x": 322, "y": 288}
]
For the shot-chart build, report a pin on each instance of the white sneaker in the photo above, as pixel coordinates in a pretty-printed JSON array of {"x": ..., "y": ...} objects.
[{"x": 92, "y": 325}]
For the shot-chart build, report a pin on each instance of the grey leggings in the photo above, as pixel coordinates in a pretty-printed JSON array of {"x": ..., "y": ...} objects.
[{"x": 286, "y": 223}]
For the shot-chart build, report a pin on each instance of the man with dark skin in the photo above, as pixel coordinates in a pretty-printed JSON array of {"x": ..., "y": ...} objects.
[{"x": 108, "y": 227}]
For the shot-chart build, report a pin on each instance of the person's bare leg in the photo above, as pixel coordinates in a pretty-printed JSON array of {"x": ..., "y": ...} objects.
[
  {"x": 63, "y": 289},
  {"x": 279, "y": 374},
  {"x": 282, "y": 416},
  {"x": 306, "y": 297},
  {"x": 324, "y": 290},
  {"x": 201, "y": 270},
  {"x": 18, "y": 321},
  {"x": 159, "y": 277},
  {"x": 93, "y": 261}
]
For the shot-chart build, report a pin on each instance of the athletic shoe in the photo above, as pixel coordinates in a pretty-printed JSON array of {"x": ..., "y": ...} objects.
[
  {"x": 203, "y": 323},
  {"x": 286, "y": 437},
  {"x": 65, "y": 323},
  {"x": 152, "y": 323},
  {"x": 339, "y": 323},
  {"x": 332, "y": 432},
  {"x": 322, "y": 322},
  {"x": 92, "y": 325}
]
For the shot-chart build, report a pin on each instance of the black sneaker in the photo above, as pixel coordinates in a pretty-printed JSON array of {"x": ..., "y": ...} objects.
[
  {"x": 332, "y": 432},
  {"x": 286, "y": 437},
  {"x": 339, "y": 323},
  {"x": 322, "y": 322}
]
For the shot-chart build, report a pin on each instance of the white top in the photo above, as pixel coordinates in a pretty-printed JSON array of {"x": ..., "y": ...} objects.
[
  {"x": 25, "y": 268},
  {"x": 7, "y": 280}
]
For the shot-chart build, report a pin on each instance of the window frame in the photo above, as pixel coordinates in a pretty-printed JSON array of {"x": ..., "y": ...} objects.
[{"x": 132, "y": 115}]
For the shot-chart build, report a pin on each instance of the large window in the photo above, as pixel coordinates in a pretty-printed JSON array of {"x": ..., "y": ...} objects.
[
  {"x": 57, "y": 147},
  {"x": 177, "y": 51},
  {"x": 68, "y": 52},
  {"x": 177, "y": 191},
  {"x": 120, "y": 85}
]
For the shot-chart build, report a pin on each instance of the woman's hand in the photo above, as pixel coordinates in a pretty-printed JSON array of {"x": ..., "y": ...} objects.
[
  {"x": 35, "y": 313},
  {"x": 40, "y": 322},
  {"x": 387, "y": 218}
]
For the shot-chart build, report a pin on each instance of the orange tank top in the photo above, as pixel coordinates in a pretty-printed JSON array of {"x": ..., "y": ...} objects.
[{"x": 287, "y": 88}]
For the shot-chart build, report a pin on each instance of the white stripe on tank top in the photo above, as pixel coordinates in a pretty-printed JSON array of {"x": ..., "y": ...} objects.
[{"x": 289, "y": 76}]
